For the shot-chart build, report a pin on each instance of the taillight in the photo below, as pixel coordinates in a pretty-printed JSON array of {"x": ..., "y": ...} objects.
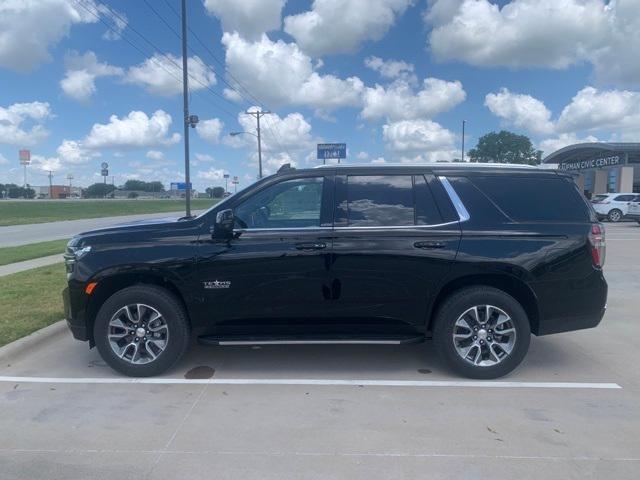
[{"x": 598, "y": 245}]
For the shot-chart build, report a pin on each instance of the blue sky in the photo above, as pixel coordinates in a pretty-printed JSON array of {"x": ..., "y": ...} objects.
[{"x": 392, "y": 78}]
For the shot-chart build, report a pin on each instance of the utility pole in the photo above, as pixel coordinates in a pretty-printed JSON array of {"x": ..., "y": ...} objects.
[
  {"x": 189, "y": 120},
  {"x": 50, "y": 185},
  {"x": 463, "y": 123},
  {"x": 258, "y": 114},
  {"x": 69, "y": 177}
]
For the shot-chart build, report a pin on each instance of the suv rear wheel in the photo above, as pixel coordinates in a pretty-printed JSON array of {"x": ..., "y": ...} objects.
[
  {"x": 141, "y": 331},
  {"x": 482, "y": 332},
  {"x": 614, "y": 215}
]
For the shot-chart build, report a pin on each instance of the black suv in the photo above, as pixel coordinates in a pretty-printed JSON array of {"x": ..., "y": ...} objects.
[{"x": 476, "y": 257}]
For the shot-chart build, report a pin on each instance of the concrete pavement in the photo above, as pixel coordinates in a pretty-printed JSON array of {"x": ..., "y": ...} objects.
[
  {"x": 41, "y": 232},
  {"x": 29, "y": 264},
  {"x": 266, "y": 430}
]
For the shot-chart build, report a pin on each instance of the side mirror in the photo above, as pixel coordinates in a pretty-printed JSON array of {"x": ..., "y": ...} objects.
[{"x": 223, "y": 227}]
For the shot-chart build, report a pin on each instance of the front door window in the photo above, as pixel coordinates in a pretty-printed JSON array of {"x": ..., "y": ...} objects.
[{"x": 292, "y": 203}]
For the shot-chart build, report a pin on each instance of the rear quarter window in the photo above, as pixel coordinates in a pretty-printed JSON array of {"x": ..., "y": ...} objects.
[{"x": 535, "y": 199}]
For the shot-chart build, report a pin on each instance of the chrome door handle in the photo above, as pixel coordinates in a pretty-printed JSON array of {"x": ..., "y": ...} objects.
[
  {"x": 311, "y": 246},
  {"x": 429, "y": 245}
]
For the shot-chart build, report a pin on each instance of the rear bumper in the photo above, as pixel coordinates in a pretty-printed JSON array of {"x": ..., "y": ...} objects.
[{"x": 571, "y": 305}]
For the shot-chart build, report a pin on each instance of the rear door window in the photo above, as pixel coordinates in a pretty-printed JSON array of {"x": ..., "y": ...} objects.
[
  {"x": 623, "y": 198},
  {"x": 534, "y": 198},
  {"x": 386, "y": 201}
]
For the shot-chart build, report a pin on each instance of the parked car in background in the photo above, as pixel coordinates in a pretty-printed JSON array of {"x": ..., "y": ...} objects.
[
  {"x": 633, "y": 212},
  {"x": 612, "y": 206}
]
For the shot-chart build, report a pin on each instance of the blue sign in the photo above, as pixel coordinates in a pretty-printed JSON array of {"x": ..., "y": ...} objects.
[
  {"x": 328, "y": 151},
  {"x": 180, "y": 186}
]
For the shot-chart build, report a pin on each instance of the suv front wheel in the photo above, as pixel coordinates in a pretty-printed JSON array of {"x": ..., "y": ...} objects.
[
  {"x": 615, "y": 215},
  {"x": 141, "y": 331},
  {"x": 482, "y": 332}
]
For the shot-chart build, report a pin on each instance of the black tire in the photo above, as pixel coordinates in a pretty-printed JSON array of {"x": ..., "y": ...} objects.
[
  {"x": 461, "y": 301},
  {"x": 173, "y": 314},
  {"x": 614, "y": 215}
]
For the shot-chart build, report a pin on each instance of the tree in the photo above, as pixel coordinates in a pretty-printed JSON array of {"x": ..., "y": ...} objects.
[
  {"x": 99, "y": 190},
  {"x": 215, "y": 192},
  {"x": 505, "y": 147},
  {"x": 143, "y": 186},
  {"x": 11, "y": 190}
]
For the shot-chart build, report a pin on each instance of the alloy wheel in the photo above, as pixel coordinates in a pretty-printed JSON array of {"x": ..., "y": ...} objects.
[
  {"x": 138, "y": 333},
  {"x": 484, "y": 335}
]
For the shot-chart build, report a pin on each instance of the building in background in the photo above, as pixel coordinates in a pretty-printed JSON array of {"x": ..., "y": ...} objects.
[
  {"x": 601, "y": 167},
  {"x": 57, "y": 191}
]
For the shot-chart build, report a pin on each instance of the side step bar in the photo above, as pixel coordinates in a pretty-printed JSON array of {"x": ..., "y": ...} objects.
[{"x": 311, "y": 340}]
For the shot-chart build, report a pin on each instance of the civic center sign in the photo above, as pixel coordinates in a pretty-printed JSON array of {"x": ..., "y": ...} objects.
[{"x": 612, "y": 161}]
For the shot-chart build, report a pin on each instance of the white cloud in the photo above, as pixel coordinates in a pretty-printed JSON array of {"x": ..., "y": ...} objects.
[
  {"x": 162, "y": 74},
  {"x": 341, "y": 26},
  {"x": 362, "y": 156},
  {"x": 250, "y": 18},
  {"x": 136, "y": 130},
  {"x": 540, "y": 33},
  {"x": 155, "y": 155},
  {"x": 3, "y": 160},
  {"x": 284, "y": 140},
  {"x": 28, "y": 29},
  {"x": 390, "y": 68},
  {"x": 550, "y": 145},
  {"x": 14, "y": 117},
  {"x": 46, "y": 163},
  {"x": 378, "y": 160},
  {"x": 280, "y": 74},
  {"x": 204, "y": 157},
  {"x": 592, "y": 109},
  {"x": 399, "y": 102},
  {"x": 522, "y": 111},
  {"x": 82, "y": 71},
  {"x": 612, "y": 112},
  {"x": 71, "y": 151},
  {"x": 210, "y": 130},
  {"x": 419, "y": 140},
  {"x": 211, "y": 174}
]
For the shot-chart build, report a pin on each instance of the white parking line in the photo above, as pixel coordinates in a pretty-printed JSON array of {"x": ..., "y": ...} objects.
[{"x": 314, "y": 382}]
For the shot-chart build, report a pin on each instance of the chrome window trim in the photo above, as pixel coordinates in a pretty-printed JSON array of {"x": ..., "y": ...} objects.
[
  {"x": 395, "y": 227},
  {"x": 463, "y": 214},
  {"x": 281, "y": 229}
]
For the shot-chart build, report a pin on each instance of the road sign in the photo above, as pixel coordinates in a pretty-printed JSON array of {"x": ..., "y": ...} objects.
[
  {"x": 226, "y": 175},
  {"x": 104, "y": 165},
  {"x": 104, "y": 172},
  {"x": 180, "y": 186},
  {"x": 25, "y": 157},
  {"x": 328, "y": 151}
]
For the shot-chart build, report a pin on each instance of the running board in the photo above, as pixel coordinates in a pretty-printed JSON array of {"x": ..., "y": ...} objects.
[{"x": 311, "y": 340}]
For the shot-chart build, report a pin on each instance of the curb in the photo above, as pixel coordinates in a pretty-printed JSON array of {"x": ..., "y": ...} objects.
[{"x": 24, "y": 345}]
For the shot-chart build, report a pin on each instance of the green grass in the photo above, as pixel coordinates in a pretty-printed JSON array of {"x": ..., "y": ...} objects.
[
  {"x": 35, "y": 211},
  {"x": 34, "y": 250},
  {"x": 30, "y": 300}
]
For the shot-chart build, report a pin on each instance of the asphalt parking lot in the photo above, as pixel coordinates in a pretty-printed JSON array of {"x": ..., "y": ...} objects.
[{"x": 572, "y": 409}]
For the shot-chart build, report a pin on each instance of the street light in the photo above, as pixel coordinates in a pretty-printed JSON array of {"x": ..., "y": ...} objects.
[{"x": 235, "y": 134}]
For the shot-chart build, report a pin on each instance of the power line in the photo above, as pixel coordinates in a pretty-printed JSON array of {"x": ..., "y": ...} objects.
[
  {"x": 149, "y": 42},
  {"x": 222, "y": 64},
  {"x": 151, "y": 57}
]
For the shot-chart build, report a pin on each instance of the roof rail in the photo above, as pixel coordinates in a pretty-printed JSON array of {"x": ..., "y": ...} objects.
[
  {"x": 285, "y": 167},
  {"x": 432, "y": 165}
]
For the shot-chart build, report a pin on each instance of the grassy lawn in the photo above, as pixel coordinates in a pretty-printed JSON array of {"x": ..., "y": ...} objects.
[
  {"x": 34, "y": 250},
  {"x": 21, "y": 315},
  {"x": 35, "y": 211}
]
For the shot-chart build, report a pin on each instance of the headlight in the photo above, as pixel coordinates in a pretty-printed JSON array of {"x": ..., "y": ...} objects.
[{"x": 77, "y": 252}]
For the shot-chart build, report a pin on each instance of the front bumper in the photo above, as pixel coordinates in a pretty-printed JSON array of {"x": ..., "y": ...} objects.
[{"x": 74, "y": 315}]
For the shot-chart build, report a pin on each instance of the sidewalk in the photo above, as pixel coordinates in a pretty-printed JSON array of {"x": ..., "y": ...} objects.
[{"x": 29, "y": 264}]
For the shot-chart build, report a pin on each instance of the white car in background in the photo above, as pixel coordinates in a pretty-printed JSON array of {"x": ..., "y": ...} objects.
[
  {"x": 634, "y": 210},
  {"x": 612, "y": 206}
]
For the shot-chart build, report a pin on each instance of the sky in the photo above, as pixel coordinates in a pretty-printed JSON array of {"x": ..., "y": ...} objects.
[{"x": 86, "y": 81}]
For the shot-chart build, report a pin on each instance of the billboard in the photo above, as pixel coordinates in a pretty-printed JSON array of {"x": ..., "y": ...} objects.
[
  {"x": 328, "y": 151},
  {"x": 25, "y": 157},
  {"x": 181, "y": 186}
]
